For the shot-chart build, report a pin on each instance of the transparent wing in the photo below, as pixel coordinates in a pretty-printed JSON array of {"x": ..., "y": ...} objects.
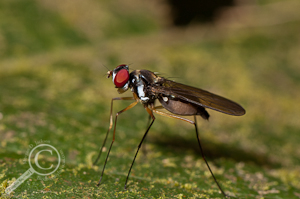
[{"x": 199, "y": 97}]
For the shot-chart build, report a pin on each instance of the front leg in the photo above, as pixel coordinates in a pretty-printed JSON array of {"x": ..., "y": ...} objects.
[
  {"x": 127, "y": 108},
  {"x": 110, "y": 123}
]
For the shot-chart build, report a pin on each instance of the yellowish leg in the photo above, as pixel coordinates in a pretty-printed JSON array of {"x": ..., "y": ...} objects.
[
  {"x": 110, "y": 123},
  {"x": 110, "y": 126}
]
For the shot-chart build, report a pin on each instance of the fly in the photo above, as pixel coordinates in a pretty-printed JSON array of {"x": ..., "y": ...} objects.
[{"x": 179, "y": 99}]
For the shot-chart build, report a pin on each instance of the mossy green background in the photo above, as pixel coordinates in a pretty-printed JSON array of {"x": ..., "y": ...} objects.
[{"x": 53, "y": 88}]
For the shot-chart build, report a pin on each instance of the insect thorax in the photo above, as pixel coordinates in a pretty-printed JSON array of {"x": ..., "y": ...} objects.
[{"x": 140, "y": 81}]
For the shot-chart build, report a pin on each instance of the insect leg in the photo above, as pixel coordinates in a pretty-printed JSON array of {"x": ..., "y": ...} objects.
[
  {"x": 110, "y": 123},
  {"x": 203, "y": 156},
  {"x": 153, "y": 118},
  {"x": 144, "y": 150},
  {"x": 127, "y": 108},
  {"x": 198, "y": 138},
  {"x": 158, "y": 107},
  {"x": 172, "y": 116}
]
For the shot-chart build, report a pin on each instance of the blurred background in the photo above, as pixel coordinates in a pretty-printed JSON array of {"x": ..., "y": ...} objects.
[{"x": 53, "y": 87}]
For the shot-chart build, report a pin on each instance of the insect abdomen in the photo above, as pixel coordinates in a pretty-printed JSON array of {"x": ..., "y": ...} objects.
[{"x": 182, "y": 108}]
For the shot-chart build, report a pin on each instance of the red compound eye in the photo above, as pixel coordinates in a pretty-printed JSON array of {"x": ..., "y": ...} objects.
[{"x": 121, "y": 78}]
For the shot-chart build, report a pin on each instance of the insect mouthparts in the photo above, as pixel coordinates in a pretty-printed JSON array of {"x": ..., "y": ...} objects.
[{"x": 109, "y": 73}]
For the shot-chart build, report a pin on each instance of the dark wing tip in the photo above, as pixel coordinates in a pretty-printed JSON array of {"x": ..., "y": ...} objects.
[
  {"x": 238, "y": 110},
  {"x": 242, "y": 112}
]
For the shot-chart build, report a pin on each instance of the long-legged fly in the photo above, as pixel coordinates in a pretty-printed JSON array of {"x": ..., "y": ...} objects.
[{"x": 177, "y": 98}]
